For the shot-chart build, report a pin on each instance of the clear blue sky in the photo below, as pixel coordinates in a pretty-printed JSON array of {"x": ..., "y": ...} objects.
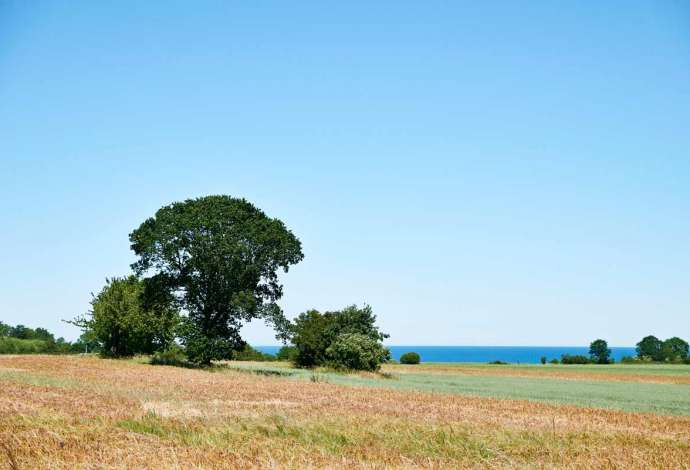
[{"x": 491, "y": 173}]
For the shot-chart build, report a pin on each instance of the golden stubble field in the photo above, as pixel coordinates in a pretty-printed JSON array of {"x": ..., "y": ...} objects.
[{"x": 83, "y": 412}]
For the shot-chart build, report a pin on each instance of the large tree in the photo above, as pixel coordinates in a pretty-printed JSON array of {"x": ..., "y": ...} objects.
[{"x": 220, "y": 257}]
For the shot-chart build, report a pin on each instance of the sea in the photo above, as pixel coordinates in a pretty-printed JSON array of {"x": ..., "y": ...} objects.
[{"x": 510, "y": 354}]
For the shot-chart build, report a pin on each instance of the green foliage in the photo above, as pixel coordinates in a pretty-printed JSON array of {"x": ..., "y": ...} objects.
[
  {"x": 24, "y": 340},
  {"x": 43, "y": 334},
  {"x": 675, "y": 350},
  {"x": 220, "y": 257},
  {"x": 314, "y": 332},
  {"x": 87, "y": 343},
  {"x": 356, "y": 351},
  {"x": 287, "y": 353},
  {"x": 10, "y": 345},
  {"x": 173, "y": 355},
  {"x": 22, "y": 332},
  {"x": 629, "y": 360},
  {"x": 575, "y": 359},
  {"x": 410, "y": 358},
  {"x": 498, "y": 363},
  {"x": 251, "y": 354},
  {"x": 650, "y": 346},
  {"x": 121, "y": 323},
  {"x": 599, "y": 352},
  {"x": 202, "y": 348},
  {"x": 554, "y": 361},
  {"x": 542, "y": 359}
]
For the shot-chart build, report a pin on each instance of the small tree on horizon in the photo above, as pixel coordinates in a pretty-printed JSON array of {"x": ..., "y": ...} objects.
[
  {"x": 675, "y": 349},
  {"x": 599, "y": 351},
  {"x": 651, "y": 347}
]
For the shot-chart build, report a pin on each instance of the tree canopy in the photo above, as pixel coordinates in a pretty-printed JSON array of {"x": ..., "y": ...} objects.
[
  {"x": 599, "y": 351},
  {"x": 651, "y": 347},
  {"x": 121, "y": 323},
  {"x": 320, "y": 338},
  {"x": 675, "y": 349},
  {"x": 219, "y": 256}
]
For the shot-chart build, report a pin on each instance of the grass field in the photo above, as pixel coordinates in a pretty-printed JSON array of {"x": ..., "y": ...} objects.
[
  {"x": 85, "y": 412},
  {"x": 652, "y": 390}
]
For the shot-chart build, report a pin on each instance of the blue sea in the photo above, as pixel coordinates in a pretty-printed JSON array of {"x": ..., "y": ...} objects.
[{"x": 511, "y": 354}]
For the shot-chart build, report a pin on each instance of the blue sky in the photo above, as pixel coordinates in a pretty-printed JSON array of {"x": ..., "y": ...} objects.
[{"x": 481, "y": 173}]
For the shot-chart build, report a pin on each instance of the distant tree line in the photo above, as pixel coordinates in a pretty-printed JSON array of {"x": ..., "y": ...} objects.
[
  {"x": 21, "y": 339},
  {"x": 649, "y": 349}
]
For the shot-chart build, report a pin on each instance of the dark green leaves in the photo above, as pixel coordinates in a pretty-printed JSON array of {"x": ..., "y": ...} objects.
[{"x": 220, "y": 257}]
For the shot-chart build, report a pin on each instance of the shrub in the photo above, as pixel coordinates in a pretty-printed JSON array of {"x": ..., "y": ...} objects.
[
  {"x": 575, "y": 359},
  {"x": 410, "y": 358},
  {"x": 314, "y": 332},
  {"x": 248, "y": 353},
  {"x": 19, "y": 346},
  {"x": 286, "y": 353},
  {"x": 628, "y": 360},
  {"x": 202, "y": 349},
  {"x": 356, "y": 351},
  {"x": 498, "y": 363},
  {"x": 554, "y": 361},
  {"x": 171, "y": 356},
  {"x": 25, "y": 346},
  {"x": 543, "y": 360}
]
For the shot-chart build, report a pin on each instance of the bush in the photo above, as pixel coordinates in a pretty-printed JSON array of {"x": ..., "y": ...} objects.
[
  {"x": 286, "y": 353},
  {"x": 24, "y": 340},
  {"x": 554, "y": 361},
  {"x": 33, "y": 346},
  {"x": 313, "y": 332},
  {"x": 629, "y": 360},
  {"x": 575, "y": 359},
  {"x": 171, "y": 356},
  {"x": 543, "y": 360},
  {"x": 410, "y": 358},
  {"x": 498, "y": 363},
  {"x": 251, "y": 354},
  {"x": 22, "y": 346},
  {"x": 202, "y": 349},
  {"x": 357, "y": 352}
]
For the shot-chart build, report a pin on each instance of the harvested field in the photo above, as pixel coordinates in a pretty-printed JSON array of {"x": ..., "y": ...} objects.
[{"x": 83, "y": 412}]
